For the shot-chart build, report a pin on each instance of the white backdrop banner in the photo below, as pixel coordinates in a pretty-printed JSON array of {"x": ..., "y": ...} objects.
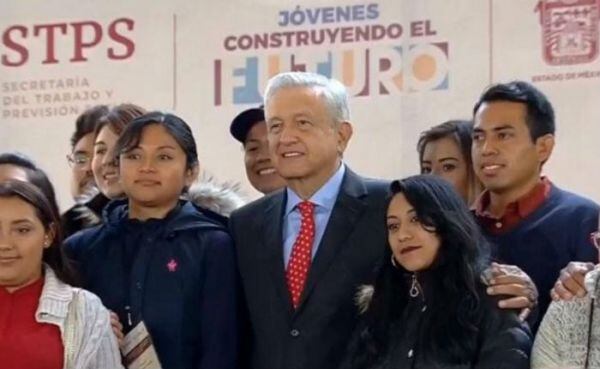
[{"x": 407, "y": 65}]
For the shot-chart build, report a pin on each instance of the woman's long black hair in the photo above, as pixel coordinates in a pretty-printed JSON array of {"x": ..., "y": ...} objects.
[{"x": 449, "y": 333}]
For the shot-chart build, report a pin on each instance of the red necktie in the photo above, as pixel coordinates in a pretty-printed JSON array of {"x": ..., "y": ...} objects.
[{"x": 299, "y": 263}]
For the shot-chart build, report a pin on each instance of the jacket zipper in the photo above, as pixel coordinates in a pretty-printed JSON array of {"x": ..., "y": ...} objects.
[
  {"x": 128, "y": 310},
  {"x": 415, "y": 287}
]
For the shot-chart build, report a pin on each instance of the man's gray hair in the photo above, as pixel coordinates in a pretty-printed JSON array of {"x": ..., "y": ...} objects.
[{"x": 333, "y": 91}]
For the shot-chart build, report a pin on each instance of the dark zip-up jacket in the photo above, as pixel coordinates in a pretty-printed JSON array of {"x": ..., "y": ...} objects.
[
  {"x": 503, "y": 342},
  {"x": 177, "y": 274}
]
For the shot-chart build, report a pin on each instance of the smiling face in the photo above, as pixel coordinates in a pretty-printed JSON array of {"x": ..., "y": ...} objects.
[
  {"x": 259, "y": 168},
  {"x": 505, "y": 158},
  {"x": 444, "y": 158},
  {"x": 22, "y": 242},
  {"x": 104, "y": 164},
  {"x": 154, "y": 173},
  {"x": 305, "y": 142},
  {"x": 413, "y": 246}
]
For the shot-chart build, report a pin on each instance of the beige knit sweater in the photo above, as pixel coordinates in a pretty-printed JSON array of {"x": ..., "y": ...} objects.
[
  {"x": 84, "y": 324},
  {"x": 563, "y": 340}
]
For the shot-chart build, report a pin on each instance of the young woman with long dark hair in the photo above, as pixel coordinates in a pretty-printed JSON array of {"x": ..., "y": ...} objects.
[{"x": 428, "y": 307}]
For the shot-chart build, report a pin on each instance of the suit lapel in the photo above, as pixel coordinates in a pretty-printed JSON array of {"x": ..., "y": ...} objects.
[
  {"x": 272, "y": 232},
  {"x": 347, "y": 210}
]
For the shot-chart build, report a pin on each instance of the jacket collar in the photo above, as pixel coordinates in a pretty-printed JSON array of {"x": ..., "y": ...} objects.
[
  {"x": 185, "y": 216},
  {"x": 55, "y": 299}
]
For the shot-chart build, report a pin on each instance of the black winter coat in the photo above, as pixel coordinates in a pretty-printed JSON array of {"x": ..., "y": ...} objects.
[
  {"x": 503, "y": 342},
  {"x": 83, "y": 215}
]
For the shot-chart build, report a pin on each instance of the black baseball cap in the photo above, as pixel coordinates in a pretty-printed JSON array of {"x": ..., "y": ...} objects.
[{"x": 241, "y": 124}]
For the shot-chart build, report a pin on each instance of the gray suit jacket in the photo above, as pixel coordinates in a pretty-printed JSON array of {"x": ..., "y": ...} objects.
[{"x": 316, "y": 334}]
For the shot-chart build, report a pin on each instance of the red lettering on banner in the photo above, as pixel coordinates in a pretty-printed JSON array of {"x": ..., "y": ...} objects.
[
  {"x": 13, "y": 45},
  {"x": 119, "y": 38},
  {"x": 50, "y": 40},
  {"x": 78, "y": 27},
  {"x": 86, "y": 35}
]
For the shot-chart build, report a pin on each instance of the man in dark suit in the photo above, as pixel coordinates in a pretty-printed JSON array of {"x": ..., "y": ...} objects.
[{"x": 304, "y": 250}]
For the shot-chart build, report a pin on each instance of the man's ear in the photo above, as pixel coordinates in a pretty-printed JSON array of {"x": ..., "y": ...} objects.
[
  {"x": 544, "y": 146},
  {"x": 344, "y": 133}
]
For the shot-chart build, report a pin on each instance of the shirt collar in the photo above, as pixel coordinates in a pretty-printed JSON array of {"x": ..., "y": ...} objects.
[
  {"x": 523, "y": 206},
  {"x": 324, "y": 198}
]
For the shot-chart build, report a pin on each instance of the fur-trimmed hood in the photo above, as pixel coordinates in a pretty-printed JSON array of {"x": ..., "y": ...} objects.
[
  {"x": 92, "y": 200},
  {"x": 221, "y": 197},
  {"x": 86, "y": 212},
  {"x": 206, "y": 192},
  {"x": 363, "y": 297}
]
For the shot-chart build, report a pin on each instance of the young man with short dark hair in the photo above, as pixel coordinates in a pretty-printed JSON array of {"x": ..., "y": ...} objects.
[{"x": 531, "y": 222}]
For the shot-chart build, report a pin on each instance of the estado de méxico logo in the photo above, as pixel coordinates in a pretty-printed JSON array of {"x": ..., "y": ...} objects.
[{"x": 569, "y": 30}]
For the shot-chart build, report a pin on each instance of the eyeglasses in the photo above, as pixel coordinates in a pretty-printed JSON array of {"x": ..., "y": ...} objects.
[
  {"x": 595, "y": 238},
  {"x": 78, "y": 159}
]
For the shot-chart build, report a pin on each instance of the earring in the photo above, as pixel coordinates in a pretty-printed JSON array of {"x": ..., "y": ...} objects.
[
  {"x": 394, "y": 262},
  {"x": 46, "y": 241}
]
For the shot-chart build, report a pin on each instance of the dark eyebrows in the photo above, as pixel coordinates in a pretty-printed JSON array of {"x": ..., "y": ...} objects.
[
  {"x": 22, "y": 221},
  {"x": 448, "y": 158},
  {"x": 503, "y": 128},
  {"x": 164, "y": 147},
  {"x": 409, "y": 211}
]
